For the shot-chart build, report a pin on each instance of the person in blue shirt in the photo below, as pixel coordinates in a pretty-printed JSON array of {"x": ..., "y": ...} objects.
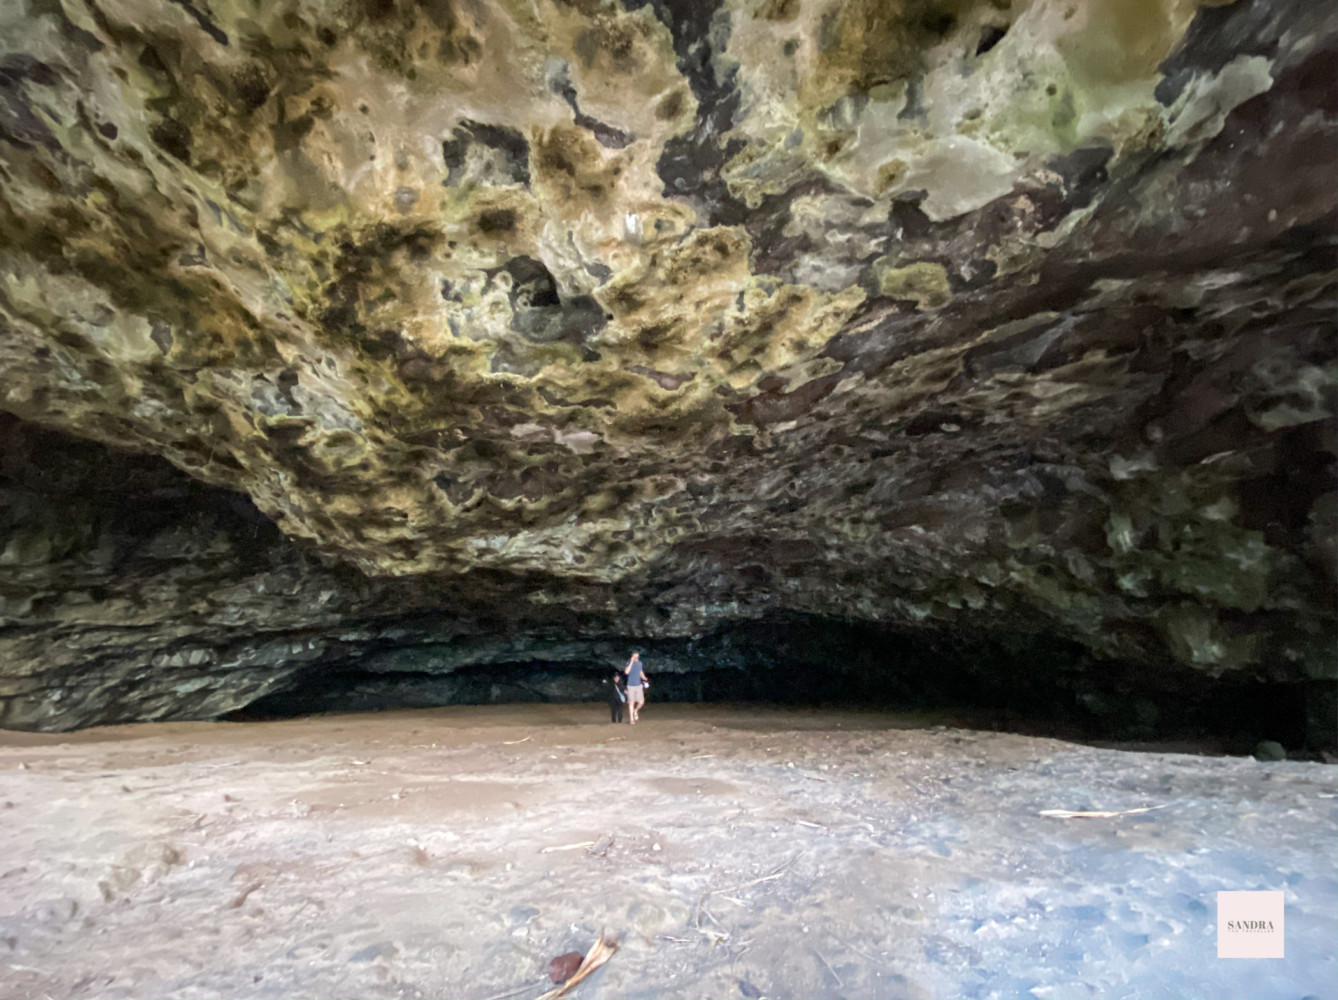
[{"x": 637, "y": 682}]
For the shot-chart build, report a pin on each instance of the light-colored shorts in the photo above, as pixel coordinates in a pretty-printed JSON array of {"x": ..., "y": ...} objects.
[{"x": 636, "y": 694}]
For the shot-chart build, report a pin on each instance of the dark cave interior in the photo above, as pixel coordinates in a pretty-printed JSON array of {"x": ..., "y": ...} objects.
[{"x": 1027, "y": 685}]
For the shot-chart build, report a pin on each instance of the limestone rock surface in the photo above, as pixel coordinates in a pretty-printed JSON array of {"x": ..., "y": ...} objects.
[{"x": 500, "y": 330}]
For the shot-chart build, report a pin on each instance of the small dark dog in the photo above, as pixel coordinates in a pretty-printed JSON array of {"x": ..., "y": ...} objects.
[{"x": 617, "y": 694}]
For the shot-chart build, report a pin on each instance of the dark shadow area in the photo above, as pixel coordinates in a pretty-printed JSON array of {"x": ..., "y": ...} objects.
[
  {"x": 1025, "y": 684},
  {"x": 65, "y": 498},
  {"x": 328, "y": 689}
]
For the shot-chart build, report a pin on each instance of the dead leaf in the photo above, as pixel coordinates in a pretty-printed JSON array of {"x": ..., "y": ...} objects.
[
  {"x": 563, "y": 967},
  {"x": 599, "y": 954}
]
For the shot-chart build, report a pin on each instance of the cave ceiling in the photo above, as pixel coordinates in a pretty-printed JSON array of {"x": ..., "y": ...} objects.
[{"x": 633, "y": 318}]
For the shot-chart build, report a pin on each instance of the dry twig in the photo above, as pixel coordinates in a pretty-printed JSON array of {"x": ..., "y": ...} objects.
[
  {"x": 861, "y": 951},
  {"x": 568, "y": 847},
  {"x": 765, "y": 878},
  {"x": 599, "y": 954},
  {"x": 839, "y": 985},
  {"x": 511, "y": 743},
  {"x": 701, "y": 904},
  {"x": 1096, "y": 814},
  {"x": 701, "y": 908}
]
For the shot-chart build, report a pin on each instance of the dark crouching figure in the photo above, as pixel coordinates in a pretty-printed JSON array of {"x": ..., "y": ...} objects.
[{"x": 617, "y": 682}]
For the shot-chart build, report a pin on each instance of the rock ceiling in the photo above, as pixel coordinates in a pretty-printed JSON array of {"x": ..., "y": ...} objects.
[{"x": 647, "y": 316}]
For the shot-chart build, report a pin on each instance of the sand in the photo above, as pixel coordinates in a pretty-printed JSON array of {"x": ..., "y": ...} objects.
[{"x": 738, "y": 852}]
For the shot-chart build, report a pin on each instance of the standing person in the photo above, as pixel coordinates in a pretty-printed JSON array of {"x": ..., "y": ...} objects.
[
  {"x": 617, "y": 683},
  {"x": 637, "y": 682}
]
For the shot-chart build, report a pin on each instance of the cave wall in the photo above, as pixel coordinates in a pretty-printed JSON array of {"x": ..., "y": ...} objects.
[
  {"x": 132, "y": 591},
  {"x": 478, "y": 329}
]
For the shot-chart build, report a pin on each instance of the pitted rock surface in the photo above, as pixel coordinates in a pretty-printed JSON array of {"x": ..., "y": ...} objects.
[{"x": 599, "y": 320}]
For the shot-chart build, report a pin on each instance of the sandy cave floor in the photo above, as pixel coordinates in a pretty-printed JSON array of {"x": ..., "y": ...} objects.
[{"x": 400, "y": 854}]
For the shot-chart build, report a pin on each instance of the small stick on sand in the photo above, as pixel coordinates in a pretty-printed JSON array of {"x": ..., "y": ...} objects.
[
  {"x": 711, "y": 917},
  {"x": 839, "y": 985},
  {"x": 511, "y": 743},
  {"x": 702, "y": 756},
  {"x": 860, "y": 951},
  {"x": 765, "y": 878},
  {"x": 1096, "y": 814},
  {"x": 568, "y": 847},
  {"x": 599, "y": 954}
]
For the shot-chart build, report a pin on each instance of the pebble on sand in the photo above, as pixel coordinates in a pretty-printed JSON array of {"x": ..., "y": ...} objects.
[{"x": 1269, "y": 750}]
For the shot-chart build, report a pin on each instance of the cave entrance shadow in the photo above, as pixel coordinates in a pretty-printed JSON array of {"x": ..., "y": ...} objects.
[
  {"x": 350, "y": 689},
  {"x": 1031, "y": 684}
]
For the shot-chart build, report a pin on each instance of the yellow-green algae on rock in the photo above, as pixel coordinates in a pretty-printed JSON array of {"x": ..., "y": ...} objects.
[{"x": 670, "y": 314}]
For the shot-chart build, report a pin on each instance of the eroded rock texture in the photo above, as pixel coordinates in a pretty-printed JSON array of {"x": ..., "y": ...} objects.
[{"x": 529, "y": 328}]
